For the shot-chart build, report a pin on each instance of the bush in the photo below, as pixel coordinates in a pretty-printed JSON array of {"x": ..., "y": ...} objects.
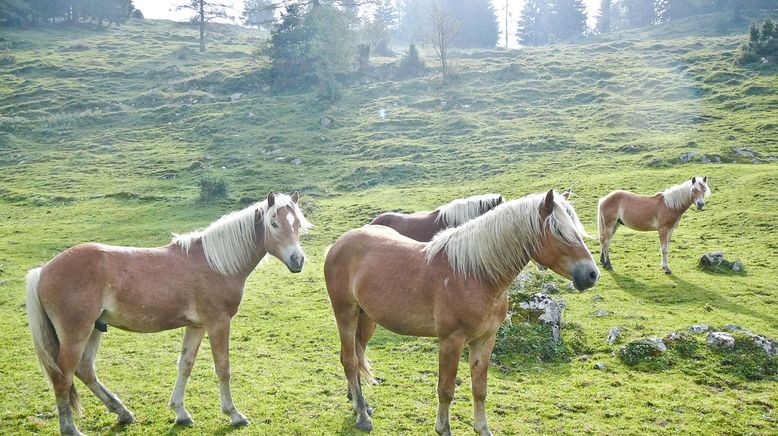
[
  {"x": 410, "y": 64},
  {"x": 644, "y": 354},
  {"x": 212, "y": 188},
  {"x": 749, "y": 360},
  {"x": 528, "y": 343},
  {"x": 136, "y": 13},
  {"x": 182, "y": 52},
  {"x": 762, "y": 45}
]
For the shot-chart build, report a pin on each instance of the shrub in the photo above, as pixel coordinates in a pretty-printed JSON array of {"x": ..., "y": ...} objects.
[
  {"x": 528, "y": 343},
  {"x": 644, "y": 354},
  {"x": 136, "y": 13},
  {"x": 410, "y": 64},
  {"x": 749, "y": 360},
  {"x": 212, "y": 188},
  {"x": 182, "y": 52},
  {"x": 762, "y": 45}
]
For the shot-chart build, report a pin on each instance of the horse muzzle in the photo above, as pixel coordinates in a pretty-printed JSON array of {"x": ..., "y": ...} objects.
[
  {"x": 585, "y": 276},
  {"x": 700, "y": 205},
  {"x": 295, "y": 263}
]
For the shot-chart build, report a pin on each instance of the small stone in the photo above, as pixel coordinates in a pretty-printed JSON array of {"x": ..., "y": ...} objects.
[
  {"x": 602, "y": 312},
  {"x": 550, "y": 288},
  {"x": 251, "y": 115},
  {"x": 658, "y": 343},
  {"x": 597, "y": 298},
  {"x": 720, "y": 340},
  {"x": 295, "y": 161},
  {"x": 600, "y": 365},
  {"x": 326, "y": 121},
  {"x": 735, "y": 328},
  {"x": 687, "y": 157},
  {"x": 737, "y": 266},
  {"x": 699, "y": 328},
  {"x": 235, "y": 97},
  {"x": 712, "y": 259},
  {"x": 279, "y": 159},
  {"x": 674, "y": 336},
  {"x": 614, "y": 334}
]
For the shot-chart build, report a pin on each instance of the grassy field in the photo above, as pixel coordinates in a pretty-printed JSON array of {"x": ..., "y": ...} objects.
[{"x": 104, "y": 136}]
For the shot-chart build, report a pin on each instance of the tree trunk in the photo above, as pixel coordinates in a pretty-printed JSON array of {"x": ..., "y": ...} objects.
[
  {"x": 202, "y": 26},
  {"x": 363, "y": 57}
]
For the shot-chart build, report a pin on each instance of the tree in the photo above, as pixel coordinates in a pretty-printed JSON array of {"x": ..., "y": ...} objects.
[
  {"x": 567, "y": 19},
  {"x": 205, "y": 11},
  {"x": 442, "y": 31},
  {"x": 260, "y": 13},
  {"x": 478, "y": 22},
  {"x": 413, "y": 17},
  {"x": 378, "y": 30},
  {"x": 762, "y": 45},
  {"x": 604, "y": 17},
  {"x": 533, "y": 24},
  {"x": 639, "y": 13}
]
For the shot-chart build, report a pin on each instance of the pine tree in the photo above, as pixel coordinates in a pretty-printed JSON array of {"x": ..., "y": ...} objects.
[
  {"x": 478, "y": 22},
  {"x": 604, "y": 17},
  {"x": 533, "y": 24},
  {"x": 260, "y": 13},
  {"x": 204, "y": 12},
  {"x": 639, "y": 13},
  {"x": 567, "y": 19}
]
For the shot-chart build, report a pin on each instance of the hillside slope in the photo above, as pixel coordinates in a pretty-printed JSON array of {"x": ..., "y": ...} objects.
[{"x": 105, "y": 135}]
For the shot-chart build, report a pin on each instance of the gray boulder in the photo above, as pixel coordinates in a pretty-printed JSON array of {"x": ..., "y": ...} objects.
[
  {"x": 699, "y": 328},
  {"x": 614, "y": 334},
  {"x": 541, "y": 308},
  {"x": 720, "y": 340}
]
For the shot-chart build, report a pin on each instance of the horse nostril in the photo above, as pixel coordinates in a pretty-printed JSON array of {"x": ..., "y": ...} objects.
[{"x": 593, "y": 275}]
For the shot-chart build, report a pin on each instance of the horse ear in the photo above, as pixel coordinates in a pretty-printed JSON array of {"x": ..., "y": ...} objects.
[
  {"x": 271, "y": 199},
  {"x": 567, "y": 193},
  {"x": 295, "y": 196},
  {"x": 705, "y": 179},
  {"x": 547, "y": 207},
  {"x": 694, "y": 180}
]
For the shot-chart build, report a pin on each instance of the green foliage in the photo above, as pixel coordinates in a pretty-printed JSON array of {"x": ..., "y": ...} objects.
[
  {"x": 523, "y": 344},
  {"x": 544, "y": 22},
  {"x": 762, "y": 45},
  {"x": 478, "y": 20},
  {"x": 643, "y": 354},
  {"x": 410, "y": 64},
  {"x": 684, "y": 344},
  {"x": 260, "y": 13},
  {"x": 749, "y": 361},
  {"x": 21, "y": 12},
  {"x": 213, "y": 188}
]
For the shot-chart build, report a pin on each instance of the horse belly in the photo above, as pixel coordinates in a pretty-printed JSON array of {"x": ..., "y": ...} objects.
[
  {"x": 147, "y": 311},
  {"x": 398, "y": 309}
]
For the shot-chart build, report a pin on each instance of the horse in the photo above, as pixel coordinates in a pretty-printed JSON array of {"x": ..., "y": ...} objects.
[
  {"x": 453, "y": 288},
  {"x": 661, "y": 212},
  {"x": 195, "y": 282},
  {"x": 422, "y": 226}
]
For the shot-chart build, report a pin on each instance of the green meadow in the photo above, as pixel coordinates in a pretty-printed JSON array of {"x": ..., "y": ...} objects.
[{"x": 105, "y": 136}]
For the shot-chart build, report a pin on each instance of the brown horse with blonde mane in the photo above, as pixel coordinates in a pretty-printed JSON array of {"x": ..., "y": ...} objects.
[
  {"x": 195, "y": 282},
  {"x": 453, "y": 288},
  {"x": 660, "y": 212},
  {"x": 422, "y": 226}
]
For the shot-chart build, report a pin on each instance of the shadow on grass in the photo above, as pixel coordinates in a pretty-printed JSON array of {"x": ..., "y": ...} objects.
[{"x": 683, "y": 293}]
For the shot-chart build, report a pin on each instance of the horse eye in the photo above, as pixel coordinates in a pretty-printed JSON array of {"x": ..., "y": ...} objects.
[{"x": 274, "y": 224}]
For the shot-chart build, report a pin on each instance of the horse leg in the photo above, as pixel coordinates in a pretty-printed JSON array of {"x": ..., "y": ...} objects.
[
  {"x": 365, "y": 330},
  {"x": 450, "y": 349},
  {"x": 664, "y": 243},
  {"x": 86, "y": 373},
  {"x": 480, "y": 356},
  {"x": 71, "y": 348},
  {"x": 347, "y": 320},
  {"x": 192, "y": 338},
  {"x": 606, "y": 235},
  {"x": 219, "y": 337}
]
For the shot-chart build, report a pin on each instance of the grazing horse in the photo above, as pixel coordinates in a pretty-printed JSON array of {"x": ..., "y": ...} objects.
[
  {"x": 195, "y": 282},
  {"x": 453, "y": 288},
  {"x": 422, "y": 226},
  {"x": 660, "y": 212}
]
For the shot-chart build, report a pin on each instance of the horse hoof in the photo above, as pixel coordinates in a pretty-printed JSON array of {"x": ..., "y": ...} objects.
[
  {"x": 365, "y": 425},
  {"x": 240, "y": 423},
  {"x": 369, "y": 410},
  {"x": 608, "y": 266},
  {"x": 185, "y": 422},
  {"x": 667, "y": 271},
  {"x": 126, "y": 419}
]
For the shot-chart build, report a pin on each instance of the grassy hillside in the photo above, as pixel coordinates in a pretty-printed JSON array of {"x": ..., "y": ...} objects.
[{"x": 104, "y": 136}]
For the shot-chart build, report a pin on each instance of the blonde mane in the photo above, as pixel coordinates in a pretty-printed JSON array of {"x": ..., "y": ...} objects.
[
  {"x": 229, "y": 243},
  {"x": 463, "y": 210},
  {"x": 495, "y": 246},
  {"x": 680, "y": 196}
]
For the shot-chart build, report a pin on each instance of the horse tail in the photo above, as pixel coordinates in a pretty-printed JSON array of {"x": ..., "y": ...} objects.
[
  {"x": 44, "y": 337},
  {"x": 600, "y": 220},
  {"x": 364, "y": 362}
]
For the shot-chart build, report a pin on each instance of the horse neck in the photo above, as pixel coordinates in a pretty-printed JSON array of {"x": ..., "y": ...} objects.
[{"x": 259, "y": 252}]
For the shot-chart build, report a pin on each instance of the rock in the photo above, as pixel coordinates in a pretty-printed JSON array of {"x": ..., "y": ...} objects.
[
  {"x": 720, "y": 340},
  {"x": 770, "y": 347},
  {"x": 602, "y": 312},
  {"x": 296, "y": 161},
  {"x": 570, "y": 286},
  {"x": 699, "y": 328},
  {"x": 712, "y": 259},
  {"x": 235, "y": 97},
  {"x": 687, "y": 157},
  {"x": 265, "y": 88},
  {"x": 614, "y": 334},
  {"x": 543, "y": 309},
  {"x": 279, "y": 159},
  {"x": 674, "y": 336},
  {"x": 744, "y": 152},
  {"x": 597, "y": 298},
  {"x": 737, "y": 266},
  {"x": 658, "y": 343},
  {"x": 326, "y": 121},
  {"x": 600, "y": 365},
  {"x": 550, "y": 288},
  {"x": 642, "y": 350},
  {"x": 443, "y": 104},
  {"x": 251, "y": 115},
  {"x": 735, "y": 328}
]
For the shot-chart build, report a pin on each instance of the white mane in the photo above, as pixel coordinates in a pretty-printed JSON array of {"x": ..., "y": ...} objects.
[
  {"x": 463, "y": 210},
  {"x": 680, "y": 196},
  {"x": 229, "y": 243},
  {"x": 495, "y": 246}
]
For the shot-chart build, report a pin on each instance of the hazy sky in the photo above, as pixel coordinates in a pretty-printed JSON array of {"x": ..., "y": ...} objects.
[{"x": 167, "y": 9}]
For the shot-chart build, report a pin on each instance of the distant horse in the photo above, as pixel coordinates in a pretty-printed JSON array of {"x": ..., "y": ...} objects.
[
  {"x": 453, "y": 288},
  {"x": 195, "y": 282},
  {"x": 661, "y": 212},
  {"x": 422, "y": 226}
]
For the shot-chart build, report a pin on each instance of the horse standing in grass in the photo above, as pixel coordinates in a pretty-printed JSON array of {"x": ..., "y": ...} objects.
[
  {"x": 453, "y": 288},
  {"x": 661, "y": 212},
  {"x": 195, "y": 282},
  {"x": 422, "y": 226}
]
